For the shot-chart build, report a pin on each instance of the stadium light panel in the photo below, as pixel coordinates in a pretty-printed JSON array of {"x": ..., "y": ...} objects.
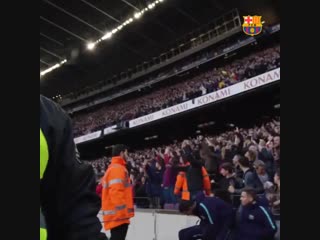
[
  {"x": 151, "y": 6},
  {"x": 49, "y": 69},
  {"x": 137, "y": 15},
  {"x": 53, "y": 67},
  {"x": 127, "y": 22},
  {"x": 91, "y": 46}
]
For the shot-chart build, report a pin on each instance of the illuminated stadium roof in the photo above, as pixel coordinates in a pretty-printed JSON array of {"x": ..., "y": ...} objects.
[{"x": 70, "y": 32}]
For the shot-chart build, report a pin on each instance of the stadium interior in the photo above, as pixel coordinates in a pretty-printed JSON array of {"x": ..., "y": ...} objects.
[{"x": 137, "y": 72}]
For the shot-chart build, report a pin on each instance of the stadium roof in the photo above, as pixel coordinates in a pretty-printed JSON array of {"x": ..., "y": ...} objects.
[{"x": 66, "y": 28}]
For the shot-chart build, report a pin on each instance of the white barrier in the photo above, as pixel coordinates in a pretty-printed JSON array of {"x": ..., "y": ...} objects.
[
  {"x": 157, "y": 225},
  {"x": 154, "y": 225},
  {"x": 142, "y": 226},
  {"x": 169, "y": 225}
]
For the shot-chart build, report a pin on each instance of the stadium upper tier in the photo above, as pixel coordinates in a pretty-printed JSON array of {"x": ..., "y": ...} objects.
[{"x": 209, "y": 81}]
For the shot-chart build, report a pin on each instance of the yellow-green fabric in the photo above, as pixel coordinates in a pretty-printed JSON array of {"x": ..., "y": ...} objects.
[
  {"x": 44, "y": 157},
  {"x": 43, "y": 234},
  {"x": 44, "y": 154}
]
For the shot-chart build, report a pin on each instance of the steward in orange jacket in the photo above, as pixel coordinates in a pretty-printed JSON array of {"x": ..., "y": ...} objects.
[
  {"x": 193, "y": 180},
  {"x": 117, "y": 196}
]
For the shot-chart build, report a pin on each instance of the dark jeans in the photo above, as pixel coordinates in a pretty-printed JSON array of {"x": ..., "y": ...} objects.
[
  {"x": 169, "y": 196},
  {"x": 156, "y": 202},
  {"x": 205, "y": 232},
  {"x": 191, "y": 233},
  {"x": 120, "y": 232}
]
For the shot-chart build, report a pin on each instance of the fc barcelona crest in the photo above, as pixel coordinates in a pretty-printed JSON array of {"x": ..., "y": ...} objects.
[{"x": 252, "y": 25}]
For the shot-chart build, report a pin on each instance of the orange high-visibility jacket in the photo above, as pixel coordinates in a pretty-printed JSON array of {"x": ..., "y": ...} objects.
[
  {"x": 182, "y": 183},
  {"x": 117, "y": 195}
]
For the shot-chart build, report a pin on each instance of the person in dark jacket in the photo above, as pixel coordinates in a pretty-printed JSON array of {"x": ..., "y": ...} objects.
[
  {"x": 267, "y": 157},
  {"x": 141, "y": 197},
  {"x": 216, "y": 217},
  {"x": 155, "y": 175},
  {"x": 260, "y": 169},
  {"x": 169, "y": 177},
  {"x": 68, "y": 201},
  {"x": 254, "y": 220},
  {"x": 228, "y": 177},
  {"x": 211, "y": 160},
  {"x": 235, "y": 161},
  {"x": 192, "y": 180},
  {"x": 250, "y": 178}
]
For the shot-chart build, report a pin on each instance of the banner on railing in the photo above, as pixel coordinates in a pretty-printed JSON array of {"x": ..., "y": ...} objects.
[
  {"x": 241, "y": 87},
  {"x": 235, "y": 89},
  {"x": 109, "y": 130},
  {"x": 88, "y": 137}
]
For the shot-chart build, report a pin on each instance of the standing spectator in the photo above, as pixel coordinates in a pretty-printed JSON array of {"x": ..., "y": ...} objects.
[
  {"x": 277, "y": 182},
  {"x": 247, "y": 143},
  {"x": 228, "y": 179},
  {"x": 155, "y": 174},
  {"x": 261, "y": 171},
  {"x": 230, "y": 151},
  {"x": 274, "y": 194},
  {"x": 250, "y": 176},
  {"x": 226, "y": 170},
  {"x": 254, "y": 221},
  {"x": 266, "y": 156},
  {"x": 169, "y": 177},
  {"x": 141, "y": 197},
  {"x": 276, "y": 150},
  {"x": 203, "y": 90},
  {"x": 209, "y": 157},
  {"x": 251, "y": 156},
  {"x": 192, "y": 182},
  {"x": 117, "y": 195},
  {"x": 238, "y": 171}
]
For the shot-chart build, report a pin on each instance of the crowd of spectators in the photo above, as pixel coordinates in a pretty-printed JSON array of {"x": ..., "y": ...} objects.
[
  {"x": 160, "y": 98},
  {"x": 234, "y": 159}
]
